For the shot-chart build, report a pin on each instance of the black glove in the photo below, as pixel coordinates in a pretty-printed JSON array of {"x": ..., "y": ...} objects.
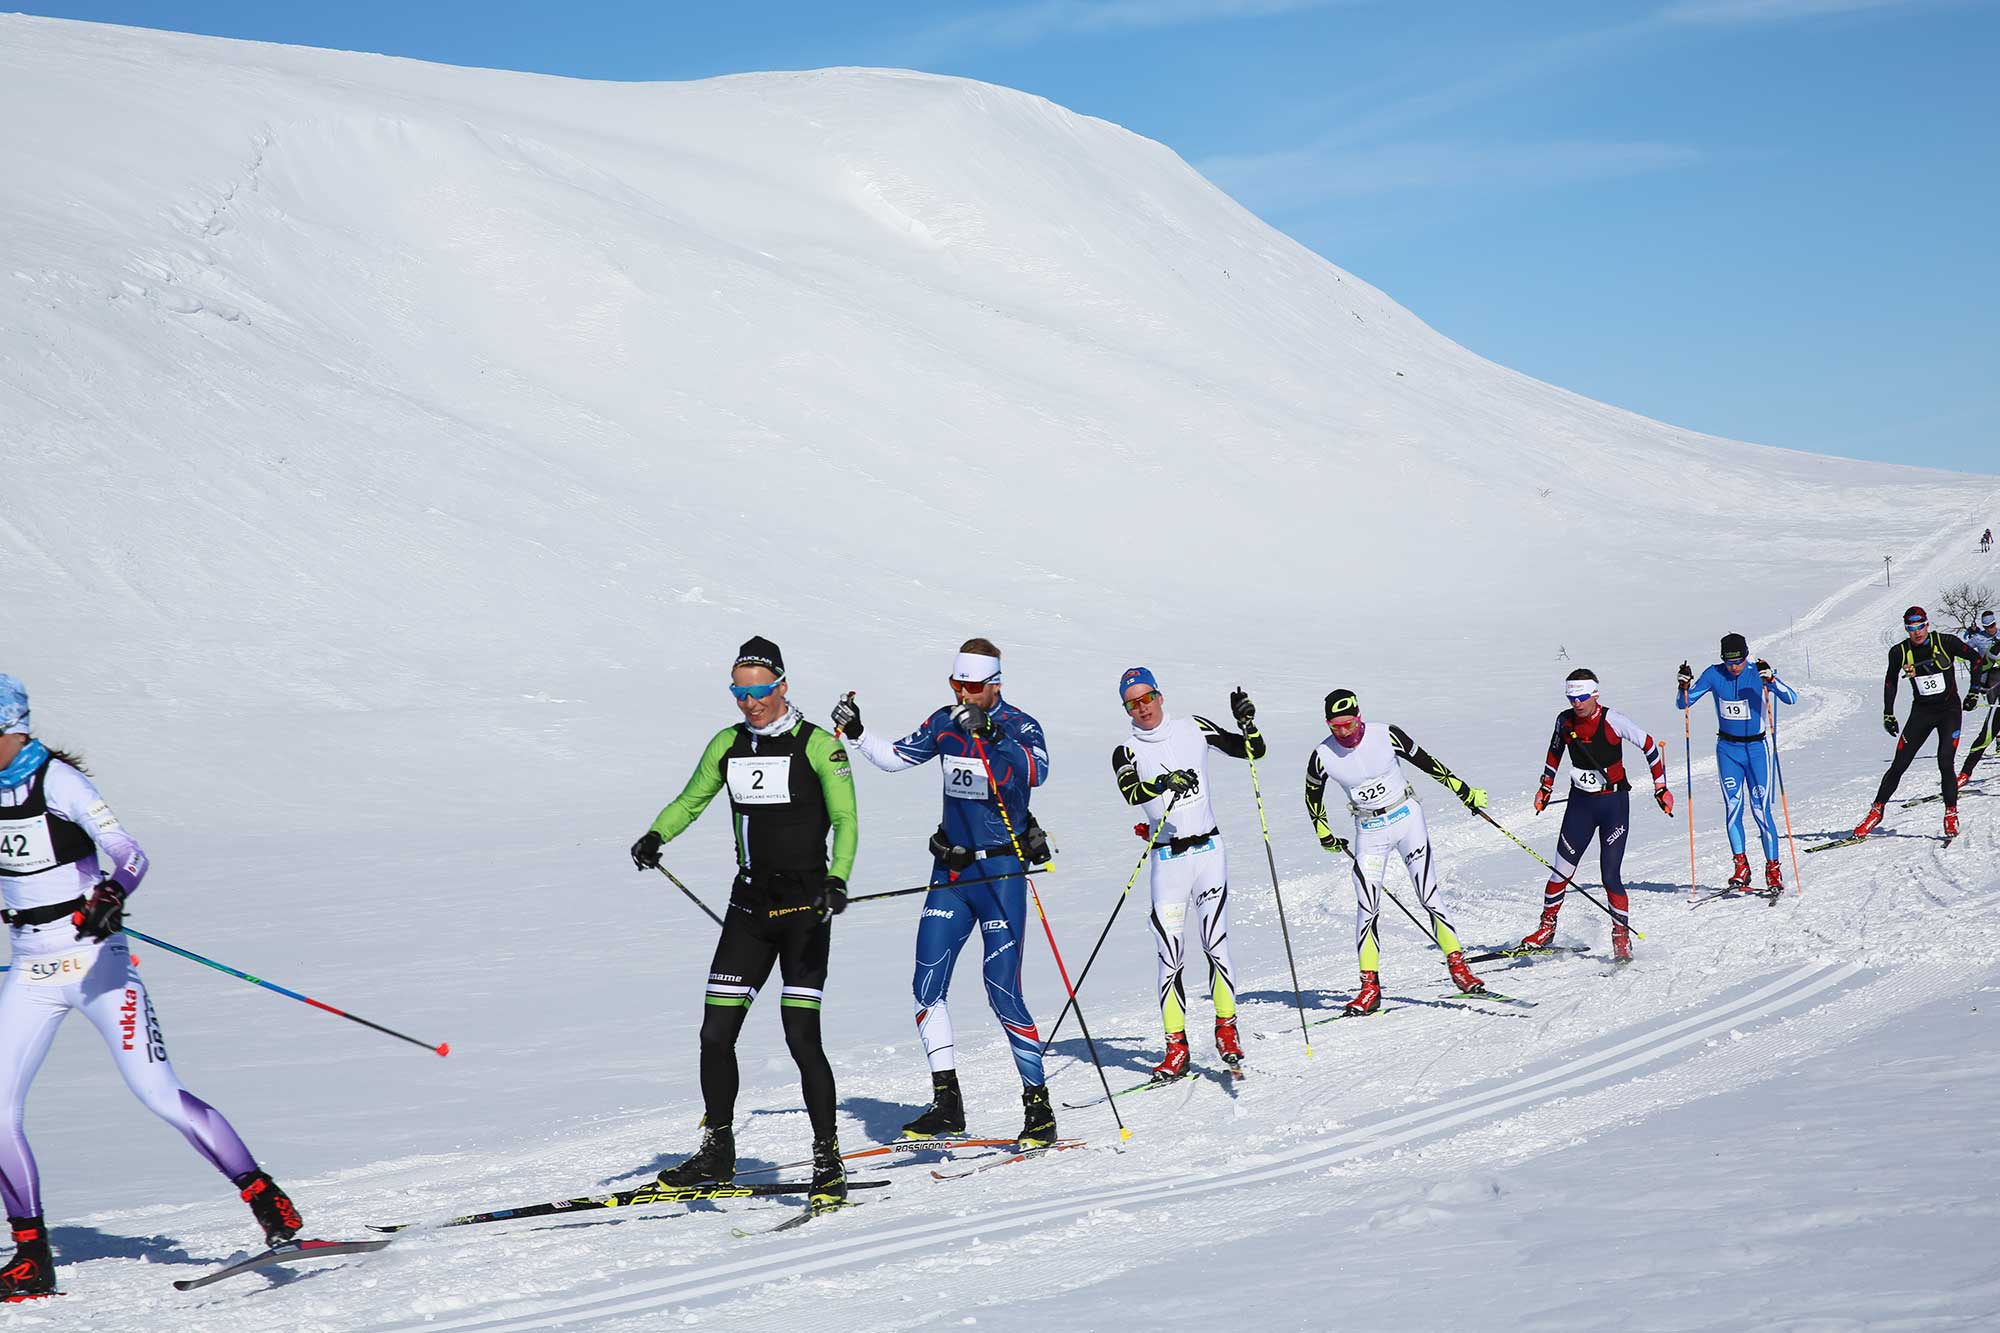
[
  {"x": 1035, "y": 845},
  {"x": 1971, "y": 702},
  {"x": 646, "y": 851},
  {"x": 972, "y": 720},
  {"x": 103, "y": 915},
  {"x": 1333, "y": 844},
  {"x": 1179, "y": 781},
  {"x": 1686, "y": 676},
  {"x": 832, "y": 899},
  {"x": 1242, "y": 710},
  {"x": 1889, "y": 723},
  {"x": 1767, "y": 671},
  {"x": 847, "y": 717}
]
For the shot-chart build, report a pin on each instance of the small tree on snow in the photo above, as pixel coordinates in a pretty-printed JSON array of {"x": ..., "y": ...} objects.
[{"x": 1962, "y": 602}]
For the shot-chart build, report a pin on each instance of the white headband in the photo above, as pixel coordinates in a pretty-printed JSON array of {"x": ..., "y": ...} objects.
[
  {"x": 1580, "y": 689},
  {"x": 976, "y": 669}
]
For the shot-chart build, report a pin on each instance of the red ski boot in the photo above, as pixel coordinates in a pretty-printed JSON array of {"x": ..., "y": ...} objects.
[
  {"x": 1739, "y": 878},
  {"x": 31, "y": 1273},
  {"x": 1774, "y": 878},
  {"x": 1542, "y": 936},
  {"x": 1176, "y": 1062},
  {"x": 1869, "y": 821},
  {"x": 271, "y": 1206},
  {"x": 1368, "y": 999},
  {"x": 1226, "y": 1044},
  {"x": 1621, "y": 943},
  {"x": 1951, "y": 823},
  {"x": 1461, "y": 975}
]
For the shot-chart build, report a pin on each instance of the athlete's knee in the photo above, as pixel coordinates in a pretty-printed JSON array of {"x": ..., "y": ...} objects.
[
  {"x": 802, "y": 1031},
  {"x": 720, "y": 1024}
]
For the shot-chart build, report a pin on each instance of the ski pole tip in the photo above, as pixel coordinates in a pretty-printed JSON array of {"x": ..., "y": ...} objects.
[
  {"x": 1123, "y": 1133},
  {"x": 444, "y": 1048}
]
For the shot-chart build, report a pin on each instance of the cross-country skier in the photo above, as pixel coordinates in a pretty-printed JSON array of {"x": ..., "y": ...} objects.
[
  {"x": 991, "y": 755},
  {"x": 65, "y": 916},
  {"x": 789, "y": 785},
  {"x": 1985, "y": 640},
  {"x": 1986, "y": 540},
  {"x": 1926, "y": 657},
  {"x": 1166, "y": 760},
  {"x": 1741, "y": 761},
  {"x": 1365, "y": 762},
  {"x": 1600, "y": 804}
]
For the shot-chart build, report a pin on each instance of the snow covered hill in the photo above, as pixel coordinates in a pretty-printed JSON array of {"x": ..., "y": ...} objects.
[{"x": 395, "y": 455}]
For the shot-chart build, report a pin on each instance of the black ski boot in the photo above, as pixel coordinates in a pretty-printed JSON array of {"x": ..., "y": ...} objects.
[
  {"x": 1039, "y": 1129},
  {"x": 31, "y": 1273},
  {"x": 270, "y": 1205},
  {"x": 946, "y": 1114},
  {"x": 829, "y": 1185},
  {"x": 714, "y": 1161}
]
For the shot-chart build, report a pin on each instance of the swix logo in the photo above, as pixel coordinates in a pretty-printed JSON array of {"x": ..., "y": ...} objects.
[
  {"x": 942, "y": 913},
  {"x": 1613, "y": 836}
]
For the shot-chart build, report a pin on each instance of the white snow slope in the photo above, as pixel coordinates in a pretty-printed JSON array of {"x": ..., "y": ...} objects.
[{"x": 394, "y": 456}]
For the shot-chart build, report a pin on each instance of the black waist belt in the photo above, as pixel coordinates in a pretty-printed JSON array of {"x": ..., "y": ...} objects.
[
  {"x": 1741, "y": 740},
  {"x": 958, "y": 858},
  {"x": 41, "y": 916},
  {"x": 1179, "y": 845}
]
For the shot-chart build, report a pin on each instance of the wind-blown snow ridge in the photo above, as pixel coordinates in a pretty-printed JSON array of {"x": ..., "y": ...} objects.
[{"x": 395, "y": 454}]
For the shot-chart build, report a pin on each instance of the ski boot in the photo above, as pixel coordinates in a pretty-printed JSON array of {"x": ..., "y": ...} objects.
[
  {"x": 1542, "y": 936},
  {"x": 1038, "y": 1129},
  {"x": 1869, "y": 821},
  {"x": 31, "y": 1273},
  {"x": 1226, "y": 1044},
  {"x": 1739, "y": 877},
  {"x": 1951, "y": 823},
  {"x": 1368, "y": 999},
  {"x": 1621, "y": 943},
  {"x": 829, "y": 1182},
  {"x": 1175, "y": 1063},
  {"x": 1461, "y": 975},
  {"x": 1774, "y": 878},
  {"x": 945, "y": 1116},
  {"x": 714, "y": 1162},
  {"x": 270, "y": 1205}
]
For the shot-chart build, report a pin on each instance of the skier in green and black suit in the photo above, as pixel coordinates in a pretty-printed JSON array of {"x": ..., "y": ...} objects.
[{"x": 789, "y": 785}]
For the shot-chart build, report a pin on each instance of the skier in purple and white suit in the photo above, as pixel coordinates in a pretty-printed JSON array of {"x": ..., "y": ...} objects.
[{"x": 64, "y": 918}]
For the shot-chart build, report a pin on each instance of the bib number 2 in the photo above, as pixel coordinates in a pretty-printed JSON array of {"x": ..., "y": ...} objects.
[{"x": 761, "y": 781}]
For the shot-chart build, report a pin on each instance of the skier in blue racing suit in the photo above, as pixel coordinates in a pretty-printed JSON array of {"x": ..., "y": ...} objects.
[
  {"x": 1741, "y": 760},
  {"x": 990, "y": 755}
]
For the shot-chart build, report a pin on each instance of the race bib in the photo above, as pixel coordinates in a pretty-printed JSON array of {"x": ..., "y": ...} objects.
[
  {"x": 1588, "y": 779},
  {"x": 964, "y": 777},
  {"x": 1736, "y": 710},
  {"x": 760, "y": 781},
  {"x": 58, "y": 970},
  {"x": 1928, "y": 684},
  {"x": 1374, "y": 792},
  {"x": 26, "y": 847}
]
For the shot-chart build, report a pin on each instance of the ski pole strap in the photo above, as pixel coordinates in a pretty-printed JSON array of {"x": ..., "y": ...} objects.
[{"x": 41, "y": 916}]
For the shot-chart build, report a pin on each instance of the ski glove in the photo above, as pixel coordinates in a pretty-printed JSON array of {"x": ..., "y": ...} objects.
[
  {"x": 1473, "y": 797},
  {"x": 1242, "y": 710},
  {"x": 832, "y": 899},
  {"x": 646, "y": 851},
  {"x": 1542, "y": 796},
  {"x": 103, "y": 915},
  {"x": 1889, "y": 723},
  {"x": 1035, "y": 845},
  {"x": 1179, "y": 781},
  {"x": 1971, "y": 702},
  {"x": 1686, "y": 677},
  {"x": 1767, "y": 671},
  {"x": 847, "y": 717},
  {"x": 1333, "y": 843},
  {"x": 1664, "y": 799},
  {"x": 972, "y": 720}
]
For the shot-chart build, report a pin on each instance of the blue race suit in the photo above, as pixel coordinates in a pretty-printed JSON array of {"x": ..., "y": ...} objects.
[
  {"x": 1741, "y": 760},
  {"x": 989, "y": 894}
]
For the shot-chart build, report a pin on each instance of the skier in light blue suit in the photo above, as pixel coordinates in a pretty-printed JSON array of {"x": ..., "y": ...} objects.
[{"x": 1741, "y": 759}]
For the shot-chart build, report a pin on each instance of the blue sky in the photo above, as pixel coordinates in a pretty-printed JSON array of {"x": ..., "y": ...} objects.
[{"x": 1775, "y": 220}]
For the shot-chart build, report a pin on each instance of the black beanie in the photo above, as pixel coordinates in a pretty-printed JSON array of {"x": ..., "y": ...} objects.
[
  {"x": 1342, "y": 703},
  {"x": 1734, "y": 646},
  {"x": 760, "y": 651}
]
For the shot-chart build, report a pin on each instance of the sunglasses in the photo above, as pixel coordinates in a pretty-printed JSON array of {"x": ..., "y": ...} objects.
[
  {"x": 1149, "y": 697},
  {"x": 968, "y": 686},
  {"x": 1579, "y": 698},
  {"x": 755, "y": 691}
]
